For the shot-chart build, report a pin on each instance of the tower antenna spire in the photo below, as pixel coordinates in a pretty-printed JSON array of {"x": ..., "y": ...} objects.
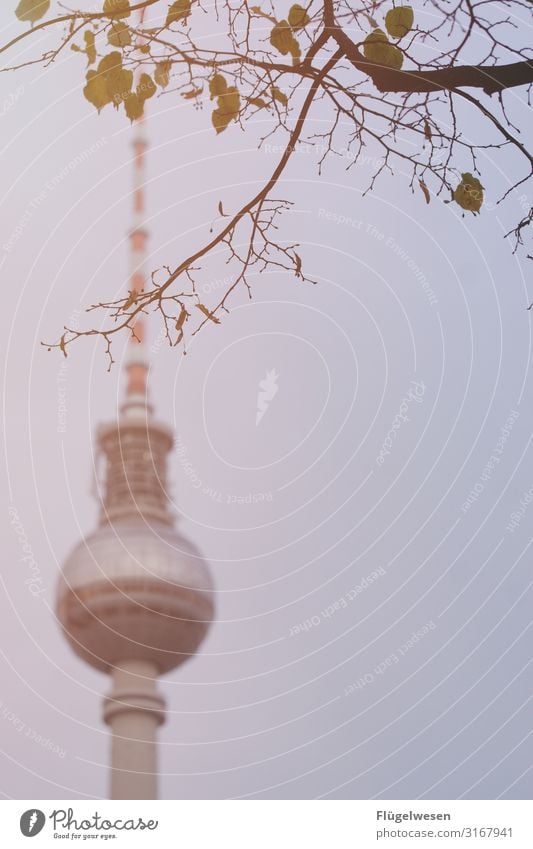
[{"x": 137, "y": 363}]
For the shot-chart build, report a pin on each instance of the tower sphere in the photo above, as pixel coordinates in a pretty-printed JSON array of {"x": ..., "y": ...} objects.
[{"x": 132, "y": 590}]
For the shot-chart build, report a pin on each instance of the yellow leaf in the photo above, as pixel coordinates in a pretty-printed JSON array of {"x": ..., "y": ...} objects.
[
  {"x": 279, "y": 95},
  {"x": 192, "y": 93},
  {"x": 220, "y": 120},
  {"x": 179, "y": 11},
  {"x": 469, "y": 193},
  {"x": 90, "y": 49},
  {"x": 257, "y": 101},
  {"x": 180, "y": 321},
  {"x": 117, "y": 8},
  {"x": 208, "y": 314},
  {"x": 399, "y": 21},
  {"x": 298, "y": 17},
  {"x": 162, "y": 73},
  {"x": 217, "y": 85},
  {"x": 296, "y": 53},
  {"x": 229, "y": 103},
  {"x": 32, "y": 10},
  {"x": 146, "y": 87},
  {"x": 131, "y": 299},
  {"x": 134, "y": 106},
  {"x": 425, "y": 190},
  {"x": 119, "y": 86},
  {"x": 96, "y": 91},
  {"x": 110, "y": 64},
  {"x": 119, "y": 35},
  {"x": 258, "y": 11},
  {"x": 118, "y": 80}
]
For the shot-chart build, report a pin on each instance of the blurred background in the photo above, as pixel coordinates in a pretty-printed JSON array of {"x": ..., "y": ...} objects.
[{"x": 369, "y": 536}]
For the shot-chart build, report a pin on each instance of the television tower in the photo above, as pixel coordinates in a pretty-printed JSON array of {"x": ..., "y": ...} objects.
[{"x": 135, "y": 598}]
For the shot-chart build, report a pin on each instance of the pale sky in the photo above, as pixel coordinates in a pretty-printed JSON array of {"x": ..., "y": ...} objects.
[{"x": 267, "y": 710}]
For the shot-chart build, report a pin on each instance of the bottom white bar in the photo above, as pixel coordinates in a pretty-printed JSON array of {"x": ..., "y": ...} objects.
[{"x": 269, "y": 824}]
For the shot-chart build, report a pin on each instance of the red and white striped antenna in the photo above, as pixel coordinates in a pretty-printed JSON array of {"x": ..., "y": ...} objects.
[{"x": 137, "y": 363}]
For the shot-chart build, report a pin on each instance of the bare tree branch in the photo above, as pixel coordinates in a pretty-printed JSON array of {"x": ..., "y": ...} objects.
[{"x": 402, "y": 104}]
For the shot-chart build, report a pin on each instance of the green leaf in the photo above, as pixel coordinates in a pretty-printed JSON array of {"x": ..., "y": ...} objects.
[
  {"x": 283, "y": 40},
  {"x": 469, "y": 193},
  {"x": 377, "y": 48},
  {"x": 298, "y": 17},
  {"x": 117, "y": 8},
  {"x": 119, "y": 35},
  {"x": 371, "y": 20},
  {"x": 399, "y": 21},
  {"x": 32, "y": 10},
  {"x": 179, "y": 11}
]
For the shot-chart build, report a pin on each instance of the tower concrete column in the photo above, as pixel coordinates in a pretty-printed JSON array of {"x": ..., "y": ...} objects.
[{"x": 134, "y": 710}]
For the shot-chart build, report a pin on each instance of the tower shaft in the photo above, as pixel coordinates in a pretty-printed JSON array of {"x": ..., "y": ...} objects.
[{"x": 133, "y": 710}]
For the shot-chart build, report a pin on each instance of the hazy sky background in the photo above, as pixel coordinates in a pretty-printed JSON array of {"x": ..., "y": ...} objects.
[{"x": 260, "y": 713}]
